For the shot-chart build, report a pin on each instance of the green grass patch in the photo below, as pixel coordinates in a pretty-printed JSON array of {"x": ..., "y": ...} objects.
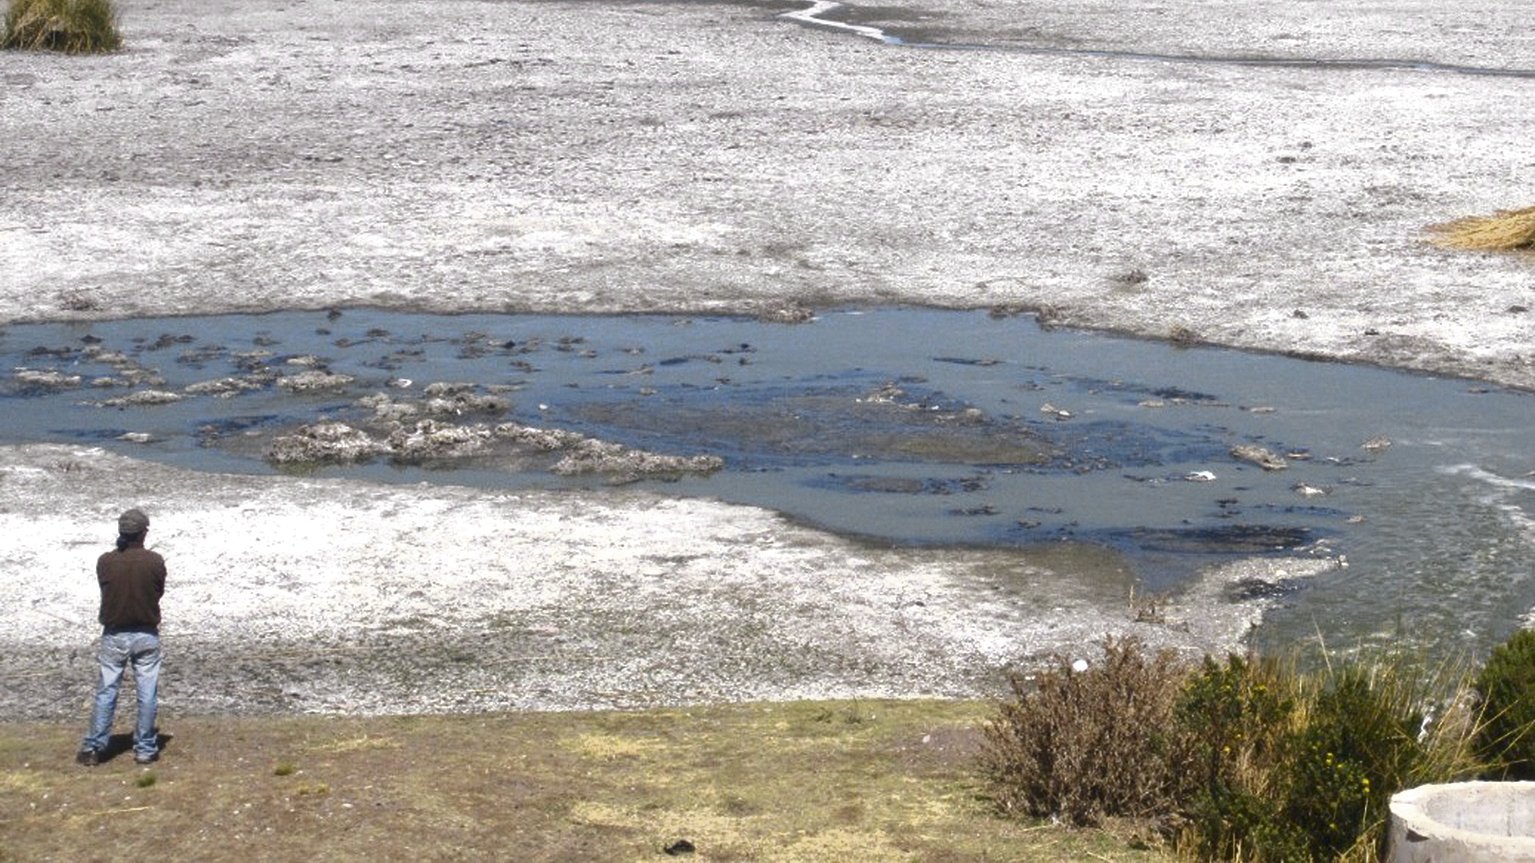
[
  {"x": 865, "y": 780},
  {"x": 71, "y": 26}
]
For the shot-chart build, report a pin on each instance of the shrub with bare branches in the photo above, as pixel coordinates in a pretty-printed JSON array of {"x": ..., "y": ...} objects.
[{"x": 1083, "y": 745}]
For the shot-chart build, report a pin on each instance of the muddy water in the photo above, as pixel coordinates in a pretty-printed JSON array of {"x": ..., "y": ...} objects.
[{"x": 915, "y": 427}]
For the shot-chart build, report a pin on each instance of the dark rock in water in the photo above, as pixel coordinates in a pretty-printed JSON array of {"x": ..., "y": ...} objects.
[
  {"x": 1224, "y": 539},
  {"x": 887, "y": 484},
  {"x": 1261, "y": 456},
  {"x": 1248, "y": 589},
  {"x": 1182, "y": 395},
  {"x": 51, "y": 352},
  {"x": 167, "y": 340}
]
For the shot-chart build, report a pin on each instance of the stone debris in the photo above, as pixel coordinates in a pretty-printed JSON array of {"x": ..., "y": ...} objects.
[
  {"x": 622, "y": 464},
  {"x": 96, "y": 353},
  {"x": 251, "y": 360},
  {"x": 445, "y": 389},
  {"x": 226, "y": 387},
  {"x": 547, "y": 440},
  {"x": 143, "y": 398},
  {"x": 454, "y": 400},
  {"x": 48, "y": 379},
  {"x": 386, "y": 409},
  {"x": 313, "y": 380},
  {"x": 1378, "y": 443},
  {"x": 787, "y": 313},
  {"x": 888, "y": 393},
  {"x": 429, "y": 439},
  {"x": 1261, "y": 456},
  {"x": 414, "y": 431},
  {"x": 458, "y": 404},
  {"x": 324, "y": 442}
]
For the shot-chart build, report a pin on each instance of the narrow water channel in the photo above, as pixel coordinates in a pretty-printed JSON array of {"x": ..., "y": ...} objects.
[
  {"x": 849, "y": 18},
  {"x": 902, "y": 426}
]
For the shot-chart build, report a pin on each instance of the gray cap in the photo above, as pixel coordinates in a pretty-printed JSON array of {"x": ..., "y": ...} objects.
[{"x": 132, "y": 521}]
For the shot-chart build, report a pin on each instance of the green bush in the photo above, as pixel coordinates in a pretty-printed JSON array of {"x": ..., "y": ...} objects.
[
  {"x": 1088, "y": 744},
  {"x": 1506, "y": 687},
  {"x": 1358, "y": 747},
  {"x": 71, "y": 26},
  {"x": 1250, "y": 760},
  {"x": 1239, "y": 716}
]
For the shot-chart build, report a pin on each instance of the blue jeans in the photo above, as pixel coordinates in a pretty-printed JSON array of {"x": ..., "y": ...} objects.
[{"x": 117, "y": 650}]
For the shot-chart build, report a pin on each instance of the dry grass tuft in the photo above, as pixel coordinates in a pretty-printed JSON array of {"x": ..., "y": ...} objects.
[
  {"x": 1086, "y": 745},
  {"x": 1508, "y": 230},
  {"x": 70, "y": 26}
]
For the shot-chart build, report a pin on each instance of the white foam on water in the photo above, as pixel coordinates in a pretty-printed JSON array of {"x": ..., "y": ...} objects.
[{"x": 1487, "y": 476}]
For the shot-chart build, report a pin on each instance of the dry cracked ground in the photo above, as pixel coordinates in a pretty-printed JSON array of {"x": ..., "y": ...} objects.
[{"x": 1245, "y": 173}]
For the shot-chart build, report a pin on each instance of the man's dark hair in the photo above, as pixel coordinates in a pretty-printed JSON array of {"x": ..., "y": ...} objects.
[{"x": 126, "y": 539}]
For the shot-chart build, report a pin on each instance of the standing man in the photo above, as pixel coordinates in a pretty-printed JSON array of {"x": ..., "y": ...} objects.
[{"x": 132, "y": 581}]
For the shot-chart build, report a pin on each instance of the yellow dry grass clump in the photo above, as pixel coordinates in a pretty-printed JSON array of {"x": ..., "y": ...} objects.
[
  {"x": 1508, "y": 230},
  {"x": 70, "y": 26}
]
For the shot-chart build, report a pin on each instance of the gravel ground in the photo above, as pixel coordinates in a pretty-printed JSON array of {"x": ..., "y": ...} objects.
[{"x": 583, "y": 157}]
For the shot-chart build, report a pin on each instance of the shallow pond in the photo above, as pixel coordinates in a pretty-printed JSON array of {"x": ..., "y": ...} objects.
[{"x": 904, "y": 426}]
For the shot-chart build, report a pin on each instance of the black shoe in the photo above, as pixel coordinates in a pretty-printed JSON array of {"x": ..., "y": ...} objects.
[
  {"x": 87, "y": 758},
  {"x": 146, "y": 759}
]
